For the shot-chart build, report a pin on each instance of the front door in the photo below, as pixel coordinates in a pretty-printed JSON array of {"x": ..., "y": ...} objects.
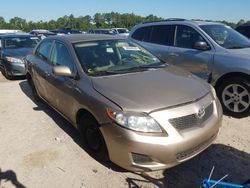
[
  {"x": 63, "y": 88},
  {"x": 184, "y": 55}
]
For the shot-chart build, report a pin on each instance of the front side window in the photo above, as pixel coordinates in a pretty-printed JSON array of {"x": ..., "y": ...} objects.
[
  {"x": 20, "y": 42},
  {"x": 186, "y": 37},
  {"x": 61, "y": 56},
  {"x": 43, "y": 50},
  {"x": 226, "y": 37},
  {"x": 114, "y": 57}
]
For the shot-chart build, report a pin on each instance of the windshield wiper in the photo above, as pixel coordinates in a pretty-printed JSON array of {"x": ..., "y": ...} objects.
[
  {"x": 127, "y": 70},
  {"x": 154, "y": 65}
]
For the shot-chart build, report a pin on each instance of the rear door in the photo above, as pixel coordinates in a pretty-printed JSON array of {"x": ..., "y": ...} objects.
[
  {"x": 158, "y": 39},
  {"x": 184, "y": 55},
  {"x": 42, "y": 68}
]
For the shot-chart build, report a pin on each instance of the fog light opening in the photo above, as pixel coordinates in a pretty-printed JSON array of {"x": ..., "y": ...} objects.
[{"x": 140, "y": 158}]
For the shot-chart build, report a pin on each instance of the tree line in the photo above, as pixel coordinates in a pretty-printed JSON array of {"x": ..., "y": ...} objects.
[{"x": 84, "y": 23}]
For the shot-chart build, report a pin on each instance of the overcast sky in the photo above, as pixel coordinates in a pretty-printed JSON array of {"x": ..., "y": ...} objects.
[{"x": 229, "y": 10}]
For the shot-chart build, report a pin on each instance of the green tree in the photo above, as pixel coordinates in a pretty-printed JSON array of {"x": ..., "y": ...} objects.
[{"x": 18, "y": 23}]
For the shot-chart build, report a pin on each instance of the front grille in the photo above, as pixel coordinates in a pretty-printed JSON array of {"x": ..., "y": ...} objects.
[{"x": 192, "y": 120}]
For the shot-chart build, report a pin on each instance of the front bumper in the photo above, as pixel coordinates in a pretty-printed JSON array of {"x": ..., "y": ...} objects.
[
  {"x": 146, "y": 152},
  {"x": 15, "y": 69}
]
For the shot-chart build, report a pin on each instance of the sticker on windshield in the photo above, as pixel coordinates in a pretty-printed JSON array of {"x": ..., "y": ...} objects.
[
  {"x": 131, "y": 48},
  {"x": 109, "y": 50}
]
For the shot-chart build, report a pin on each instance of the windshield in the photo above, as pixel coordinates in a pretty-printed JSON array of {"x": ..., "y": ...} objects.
[
  {"x": 226, "y": 37},
  {"x": 20, "y": 42},
  {"x": 114, "y": 57}
]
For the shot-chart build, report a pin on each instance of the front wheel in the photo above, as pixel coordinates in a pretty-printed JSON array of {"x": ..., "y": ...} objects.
[
  {"x": 234, "y": 95},
  {"x": 6, "y": 73},
  {"x": 92, "y": 138}
]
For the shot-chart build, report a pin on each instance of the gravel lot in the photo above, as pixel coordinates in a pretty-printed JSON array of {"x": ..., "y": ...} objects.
[{"x": 38, "y": 148}]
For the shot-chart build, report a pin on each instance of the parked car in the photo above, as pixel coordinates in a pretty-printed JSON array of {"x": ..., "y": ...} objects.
[
  {"x": 212, "y": 51},
  {"x": 244, "y": 30},
  {"x": 42, "y": 33},
  {"x": 123, "y": 32},
  {"x": 102, "y": 31},
  {"x": 13, "y": 48},
  {"x": 9, "y": 31},
  {"x": 126, "y": 103},
  {"x": 65, "y": 30}
]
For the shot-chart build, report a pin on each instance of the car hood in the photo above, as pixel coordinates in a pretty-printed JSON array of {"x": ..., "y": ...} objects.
[
  {"x": 19, "y": 52},
  {"x": 151, "y": 90}
]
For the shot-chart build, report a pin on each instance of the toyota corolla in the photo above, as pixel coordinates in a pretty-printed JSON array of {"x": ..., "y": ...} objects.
[{"x": 129, "y": 106}]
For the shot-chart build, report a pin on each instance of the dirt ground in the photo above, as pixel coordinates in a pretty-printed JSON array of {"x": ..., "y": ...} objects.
[{"x": 38, "y": 148}]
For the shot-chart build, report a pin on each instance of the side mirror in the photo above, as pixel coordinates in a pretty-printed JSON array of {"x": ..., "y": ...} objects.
[
  {"x": 201, "y": 46},
  {"x": 63, "y": 71}
]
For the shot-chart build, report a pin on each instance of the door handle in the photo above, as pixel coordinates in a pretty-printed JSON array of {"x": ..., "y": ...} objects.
[{"x": 174, "y": 55}]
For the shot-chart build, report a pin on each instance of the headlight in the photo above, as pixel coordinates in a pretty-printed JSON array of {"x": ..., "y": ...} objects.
[
  {"x": 135, "y": 121},
  {"x": 14, "y": 60},
  {"x": 213, "y": 92}
]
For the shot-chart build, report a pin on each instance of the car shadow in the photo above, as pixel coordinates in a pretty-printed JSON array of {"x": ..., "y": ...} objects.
[
  {"x": 225, "y": 159},
  {"x": 11, "y": 176},
  {"x": 63, "y": 124}
]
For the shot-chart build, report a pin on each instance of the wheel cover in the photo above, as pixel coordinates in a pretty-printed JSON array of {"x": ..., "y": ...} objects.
[{"x": 236, "y": 98}]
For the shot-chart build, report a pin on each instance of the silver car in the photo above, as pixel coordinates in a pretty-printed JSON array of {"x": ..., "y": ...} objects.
[{"x": 212, "y": 51}]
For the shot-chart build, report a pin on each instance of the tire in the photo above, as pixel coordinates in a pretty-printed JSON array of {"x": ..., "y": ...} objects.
[
  {"x": 34, "y": 91},
  {"x": 92, "y": 138},
  {"x": 6, "y": 74},
  {"x": 234, "y": 95}
]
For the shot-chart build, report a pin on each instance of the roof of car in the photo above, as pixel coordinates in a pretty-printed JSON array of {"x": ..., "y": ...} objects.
[
  {"x": 207, "y": 23},
  {"x": 73, "y": 38},
  {"x": 180, "y": 21}
]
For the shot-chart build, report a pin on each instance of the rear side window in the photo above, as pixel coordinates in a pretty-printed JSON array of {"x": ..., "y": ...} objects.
[
  {"x": 163, "y": 34},
  {"x": 43, "y": 50},
  {"x": 186, "y": 37},
  {"x": 142, "y": 34}
]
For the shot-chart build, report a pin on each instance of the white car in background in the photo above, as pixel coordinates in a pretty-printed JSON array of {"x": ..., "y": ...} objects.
[
  {"x": 8, "y": 31},
  {"x": 121, "y": 32}
]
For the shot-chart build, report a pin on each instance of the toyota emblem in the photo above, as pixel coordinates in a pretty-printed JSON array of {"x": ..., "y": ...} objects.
[{"x": 201, "y": 112}]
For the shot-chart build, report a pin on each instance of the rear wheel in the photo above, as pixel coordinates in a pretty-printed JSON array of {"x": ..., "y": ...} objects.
[
  {"x": 234, "y": 95},
  {"x": 92, "y": 138}
]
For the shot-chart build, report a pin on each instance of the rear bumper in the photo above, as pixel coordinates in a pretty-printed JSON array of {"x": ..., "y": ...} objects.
[{"x": 143, "y": 152}]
